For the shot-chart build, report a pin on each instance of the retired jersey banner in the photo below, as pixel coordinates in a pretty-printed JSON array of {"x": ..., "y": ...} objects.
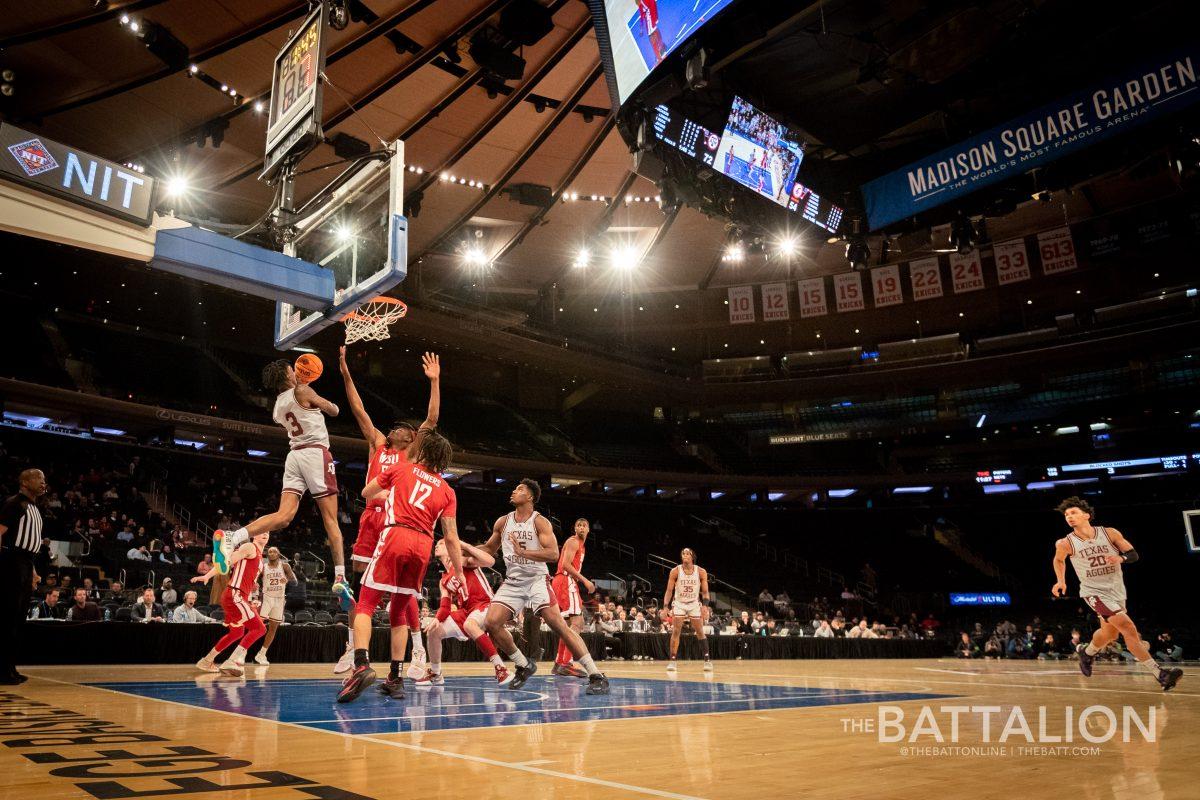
[
  {"x": 1057, "y": 250},
  {"x": 847, "y": 292},
  {"x": 926, "y": 278},
  {"x": 741, "y": 304},
  {"x": 1012, "y": 262},
  {"x": 812, "y": 298},
  {"x": 1125, "y": 100},
  {"x": 966, "y": 271},
  {"x": 885, "y": 285},
  {"x": 775, "y": 301}
]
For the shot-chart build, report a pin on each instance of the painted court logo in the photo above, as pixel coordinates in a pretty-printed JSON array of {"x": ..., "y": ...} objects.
[{"x": 33, "y": 157}]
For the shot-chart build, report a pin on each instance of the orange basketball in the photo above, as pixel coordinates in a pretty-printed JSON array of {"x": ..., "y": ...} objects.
[{"x": 308, "y": 368}]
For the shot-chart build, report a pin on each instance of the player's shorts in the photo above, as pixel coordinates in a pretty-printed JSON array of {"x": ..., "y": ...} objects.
[
  {"x": 309, "y": 468},
  {"x": 455, "y": 625},
  {"x": 272, "y": 608},
  {"x": 532, "y": 593},
  {"x": 1105, "y": 605},
  {"x": 691, "y": 609},
  {"x": 370, "y": 525},
  {"x": 400, "y": 560},
  {"x": 237, "y": 608},
  {"x": 566, "y": 592}
]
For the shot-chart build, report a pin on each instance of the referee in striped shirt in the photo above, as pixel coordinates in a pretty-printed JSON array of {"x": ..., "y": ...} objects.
[{"x": 20, "y": 538}]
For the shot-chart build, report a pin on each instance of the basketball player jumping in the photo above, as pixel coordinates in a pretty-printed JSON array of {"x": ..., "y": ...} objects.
[
  {"x": 689, "y": 586},
  {"x": 308, "y": 467},
  {"x": 243, "y": 622},
  {"x": 566, "y": 591},
  {"x": 385, "y": 452},
  {"x": 276, "y": 575},
  {"x": 1097, "y": 554},
  {"x": 415, "y": 497},
  {"x": 459, "y": 619},
  {"x": 528, "y": 544}
]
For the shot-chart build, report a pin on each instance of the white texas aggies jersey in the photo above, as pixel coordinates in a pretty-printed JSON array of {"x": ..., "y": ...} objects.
[
  {"x": 517, "y": 568},
  {"x": 304, "y": 426}
]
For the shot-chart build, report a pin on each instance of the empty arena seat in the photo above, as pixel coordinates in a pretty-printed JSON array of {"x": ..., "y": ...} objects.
[
  {"x": 717, "y": 369},
  {"x": 322, "y": 618},
  {"x": 1015, "y": 341},
  {"x": 947, "y": 347},
  {"x": 124, "y": 614},
  {"x": 218, "y": 614},
  {"x": 288, "y": 618},
  {"x": 304, "y": 617}
]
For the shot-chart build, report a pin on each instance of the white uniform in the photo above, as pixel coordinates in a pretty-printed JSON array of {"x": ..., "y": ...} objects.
[
  {"x": 1101, "y": 584},
  {"x": 274, "y": 583},
  {"x": 686, "y": 602},
  {"x": 309, "y": 466},
  {"x": 526, "y": 583}
]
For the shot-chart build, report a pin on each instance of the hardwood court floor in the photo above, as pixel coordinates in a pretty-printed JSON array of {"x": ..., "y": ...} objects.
[{"x": 756, "y": 729}]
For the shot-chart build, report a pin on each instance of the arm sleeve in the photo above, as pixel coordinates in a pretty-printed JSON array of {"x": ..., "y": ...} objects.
[{"x": 443, "y": 609}]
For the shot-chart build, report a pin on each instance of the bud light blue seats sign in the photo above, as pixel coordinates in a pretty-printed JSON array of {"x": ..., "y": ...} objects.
[{"x": 1102, "y": 110}]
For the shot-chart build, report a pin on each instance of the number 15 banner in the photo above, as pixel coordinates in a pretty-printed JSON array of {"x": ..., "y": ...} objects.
[
  {"x": 741, "y": 304},
  {"x": 847, "y": 289},
  {"x": 812, "y": 298}
]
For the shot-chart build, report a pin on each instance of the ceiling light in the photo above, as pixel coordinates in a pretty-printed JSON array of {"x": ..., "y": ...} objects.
[
  {"x": 177, "y": 186},
  {"x": 787, "y": 246},
  {"x": 193, "y": 69},
  {"x": 624, "y": 258},
  {"x": 582, "y": 258}
]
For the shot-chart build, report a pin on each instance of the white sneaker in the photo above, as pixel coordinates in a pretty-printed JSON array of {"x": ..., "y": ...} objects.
[
  {"x": 671, "y": 667},
  {"x": 232, "y": 668},
  {"x": 345, "y": 663},
  {"x": 261, "y": 658},
  {"x": 204, "y": 665},
  {"x": 429, "y": 679},
  {"x": 708, "y": 667}
]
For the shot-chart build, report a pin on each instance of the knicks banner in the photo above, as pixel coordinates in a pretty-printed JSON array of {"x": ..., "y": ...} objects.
[
  {"x": 1057, "y": 250},
  {"x": 741, "y": 304},
  {"x": 812, "y": 298},
  {"x": 1012, "y": 263},
  {"x": 966, "y": 272},
  {"x": 926, "y": 278},
  {"x": 847, "y": 291},
  {"x": 775, "y": 301},
  {"x": 1105, "y": 109},
  {"x": 885, "y": 285}
]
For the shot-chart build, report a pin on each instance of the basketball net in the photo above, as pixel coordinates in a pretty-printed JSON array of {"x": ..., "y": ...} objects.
[{"x": 371, "y": 321}]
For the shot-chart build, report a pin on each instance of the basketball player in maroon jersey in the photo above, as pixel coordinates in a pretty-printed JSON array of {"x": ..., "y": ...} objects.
[
  {"x": 243, "y": 622},
  {"x": 415, "y": 496},
  {"x": 384, "y": 453},
  {"x": 566, "y": 589},
  {"x": 459, "y": 619}
]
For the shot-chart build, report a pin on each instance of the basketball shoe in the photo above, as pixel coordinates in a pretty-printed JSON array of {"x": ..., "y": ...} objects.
[
  {"x": 392, "y": 688},
  {"x": 568, "y": 670},
  {"x": 346, "y": 662},
  {"x": 597, "y": 684},
  {"x": 503, "y": 676},
  {"x": 1085, "y": 661},
  {"x": 1167, "y": 678},
  {"x": 204, "y": 665},
  {"x": 353, "y": 686},
  {"x": 222, "y": 550},
  {"x": 342, "y": 592},
  {"x": 429, "y": 680}
]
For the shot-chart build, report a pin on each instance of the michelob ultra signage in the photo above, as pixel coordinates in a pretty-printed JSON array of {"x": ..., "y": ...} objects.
[{"x": 1053, "y": 131}]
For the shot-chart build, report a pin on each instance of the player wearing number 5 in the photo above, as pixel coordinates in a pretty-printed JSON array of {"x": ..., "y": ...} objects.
[{"x": 308, "y": 467}]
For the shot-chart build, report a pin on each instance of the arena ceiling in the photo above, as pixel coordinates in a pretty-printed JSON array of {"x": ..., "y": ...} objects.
[{"x": 402, "y": 66}]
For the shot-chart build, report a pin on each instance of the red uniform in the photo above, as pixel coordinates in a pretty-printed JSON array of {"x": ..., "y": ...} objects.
[
  {"x": 372, "y": 521},
  {"x": 412, "y": 505},
  {"x": 235, "y": 600},
  {"x": 566, "y": 589}
]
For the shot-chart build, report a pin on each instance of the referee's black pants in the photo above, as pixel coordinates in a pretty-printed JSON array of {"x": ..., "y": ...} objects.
[{"x": 16, "y": 587}]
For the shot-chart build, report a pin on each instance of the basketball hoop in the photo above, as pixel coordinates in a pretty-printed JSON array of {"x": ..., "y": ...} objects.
[{"x": 370, "y": 321}]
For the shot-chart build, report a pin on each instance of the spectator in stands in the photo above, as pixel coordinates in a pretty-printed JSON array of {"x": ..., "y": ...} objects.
[
  {"x": 1167, "y": 649},
  {"x": 639, "y": 624},
  {"x": 93, "y": 594},
  {"x": 783, "y": 603},
  {"x": 1023, "y": 646},
  {"x": 1049, "y": 649},
  {"x": 126, "y": 534},
  {"x": 187, "y": 611},
  {"x": 48, "y": 608},
  {"x": 930, "y": 625},
  {"x": 861, "y": 631},
  {"x": 204, "y": 566},
  {"x": 769, "y": 629},
  {"x": 965, "y": 647},
  {"x": 146, "y": 609},
  {"x": 155, "y": 545},
  {"x": 978, "y": 635},
  {"x": 992, "y": 648},
  {"x": 169, "y": 556},
  {"x": 824, "y": 631},
  {"x": 766, "y": 601},
  {"x": 138, "y": 554},
  {"x": 116, "y": 593},
  {"x": 847, "y": 594},
  {"x": 758, "y": 623},
  {"x": 83, "y": 610},
  {"x": 168, "y": 594}
]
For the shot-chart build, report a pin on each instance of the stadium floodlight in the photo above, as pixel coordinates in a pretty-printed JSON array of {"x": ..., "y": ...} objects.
[
  {"x": 475, "y": 257},
  {"x": 734, "y": 253},
  {"x": 344, "y": 233},
  {"x": 788, "y": 246},
  {"x": 624, "y": 258},
  {"x": 177, "y": 186},
  {"x": 582, "y": 259}
]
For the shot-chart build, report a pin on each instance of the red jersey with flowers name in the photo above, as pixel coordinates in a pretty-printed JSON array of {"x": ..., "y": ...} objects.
[
  {"x": 479, "y": 591},
  {"x": 415, "y": 498}
]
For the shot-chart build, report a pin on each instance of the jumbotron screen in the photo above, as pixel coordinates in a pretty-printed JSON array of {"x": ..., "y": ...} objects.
[
  {"x": 760, "y": 153},
  {"x": 643, "y": 32}
]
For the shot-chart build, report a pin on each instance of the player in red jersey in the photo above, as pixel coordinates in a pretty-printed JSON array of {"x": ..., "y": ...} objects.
[
  {"x": 386, "y": 452},
  {"x": 566, "y": 589},
  {"x": 415, "y": 497},
  {"x": 648, "y": 11},
  {"x": 462, "y": 619},
  {"x": 245, "y": 626}
]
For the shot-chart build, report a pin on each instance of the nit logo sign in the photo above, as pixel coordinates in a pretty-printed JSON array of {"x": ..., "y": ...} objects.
[{"x": 33, "y": 157}]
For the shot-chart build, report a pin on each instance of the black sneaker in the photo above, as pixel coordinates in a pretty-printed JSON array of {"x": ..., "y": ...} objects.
[
  {"x": 597, "y": 684},
  {"x": 1167, "y": 678},
  {"x": 523, "y": 674},
  {"x": 393, "y": 688},
  {"x": 1085, "y": 661},
  {"x": 353, "y": 686}
]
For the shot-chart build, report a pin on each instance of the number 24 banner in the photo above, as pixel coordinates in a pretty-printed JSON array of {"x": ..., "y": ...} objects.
[{"x": 967, "y": 271}]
